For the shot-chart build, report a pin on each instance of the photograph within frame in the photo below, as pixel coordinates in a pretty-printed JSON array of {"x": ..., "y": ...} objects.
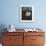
[{"x": 26, "y": 13}]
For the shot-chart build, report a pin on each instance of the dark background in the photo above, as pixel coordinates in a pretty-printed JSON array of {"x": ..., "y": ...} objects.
[{"x": 24, "y": 10}]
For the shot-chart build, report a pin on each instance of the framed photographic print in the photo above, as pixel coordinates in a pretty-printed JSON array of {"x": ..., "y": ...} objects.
[{"x": 26, "y": 13}]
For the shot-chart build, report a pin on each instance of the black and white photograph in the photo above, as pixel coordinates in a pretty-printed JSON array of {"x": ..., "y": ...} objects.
[{"x": 26, "y": 13}]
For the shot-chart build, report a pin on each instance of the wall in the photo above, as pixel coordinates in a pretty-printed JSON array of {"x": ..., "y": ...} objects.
[{"x": 10, "y": 12}]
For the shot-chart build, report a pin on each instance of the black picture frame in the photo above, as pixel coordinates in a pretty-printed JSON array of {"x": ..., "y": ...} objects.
[{"x": 26, "y": 13}]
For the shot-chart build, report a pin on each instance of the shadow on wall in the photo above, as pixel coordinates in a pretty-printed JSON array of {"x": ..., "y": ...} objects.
[{"x": 2, "y": 26}]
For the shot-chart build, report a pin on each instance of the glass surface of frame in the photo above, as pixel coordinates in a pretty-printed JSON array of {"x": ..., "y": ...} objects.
[{"x": 26, "y": 13}]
